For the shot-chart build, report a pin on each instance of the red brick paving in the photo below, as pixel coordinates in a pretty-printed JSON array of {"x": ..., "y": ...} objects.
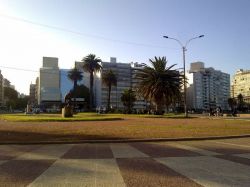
[
  {"x": 146, "y": 172},
  {"x": 89, "y": 151},
  {"x": 136, "y": 172},
  {"x": 22, "y": 172}
]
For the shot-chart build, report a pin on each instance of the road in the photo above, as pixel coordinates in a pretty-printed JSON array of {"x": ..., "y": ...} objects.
[{"x": 194, "y": 163}]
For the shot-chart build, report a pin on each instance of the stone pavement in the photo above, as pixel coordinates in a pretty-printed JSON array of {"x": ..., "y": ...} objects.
[{"x": 194, "y": 163}]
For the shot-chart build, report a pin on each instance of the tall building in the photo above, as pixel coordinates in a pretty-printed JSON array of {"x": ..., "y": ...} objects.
[
  {"x": 209, "y": 88},
  {"x": 241, "y": 85},
  {"x": 123, "y": 73},
  {"x": 140, "y": 103},
  {"x": 96, "y": 85},
  {"x": 49, "y": 83},
  {"x": 32, "y": 94},
  {"x": 1, "y": 90}
]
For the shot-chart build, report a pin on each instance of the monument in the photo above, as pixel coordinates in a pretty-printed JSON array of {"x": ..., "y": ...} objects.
[{"x": 67, "y": 110}]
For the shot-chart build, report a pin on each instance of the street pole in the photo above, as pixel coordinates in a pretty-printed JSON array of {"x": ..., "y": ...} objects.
[
  {"x": 185, "y": 85},
  {"x": 184, "y": 49}
]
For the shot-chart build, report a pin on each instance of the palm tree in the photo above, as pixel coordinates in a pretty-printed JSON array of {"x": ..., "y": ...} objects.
[
  {"x": 232, "y": 103},
  {"x": 91, "y": 64},
  {"x": 109, "y": 79},
  {"x": 128, "y": 98},
  {"x": 159, "y": 83},
  {"x": 240, "y": 101},
  {"x": 75, "y": 75}
]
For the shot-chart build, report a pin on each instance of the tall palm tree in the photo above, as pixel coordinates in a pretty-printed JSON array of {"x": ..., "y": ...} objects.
[
  {"x": 91, "y": 64},
  {"x": 159, "y": 83},
  {"x": 109, "y": 79},
  {"x": 75, "y": 75}
]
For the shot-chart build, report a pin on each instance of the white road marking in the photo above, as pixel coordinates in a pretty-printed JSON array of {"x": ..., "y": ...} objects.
[
  {"x": 226, "y": 143},
  {"x": 126, "y": 151},
  {"x": 210, "y": 171},
  {"x": 81, "y": 172},
  {"x": 45, "y": 152},
  {"x": 194, "y": 149}
]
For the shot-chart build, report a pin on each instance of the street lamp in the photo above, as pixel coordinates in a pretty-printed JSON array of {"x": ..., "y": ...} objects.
[{"x": 184, "y": 49}]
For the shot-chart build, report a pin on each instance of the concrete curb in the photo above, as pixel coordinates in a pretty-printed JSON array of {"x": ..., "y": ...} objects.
[{"x": 126, "y": 140}]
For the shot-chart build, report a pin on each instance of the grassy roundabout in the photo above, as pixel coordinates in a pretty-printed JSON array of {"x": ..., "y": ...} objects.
[
  {"x": 57, "y": 117},
  {"x": 90, "y": 126}
]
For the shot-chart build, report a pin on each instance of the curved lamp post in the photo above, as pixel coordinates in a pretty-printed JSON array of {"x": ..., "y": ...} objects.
[{"x": 184, "y": 49}]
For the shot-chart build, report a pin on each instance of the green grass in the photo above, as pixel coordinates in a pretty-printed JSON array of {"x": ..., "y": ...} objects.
[
  {"x": 57, "y": 117},
  {"x": 86, "y": 126},
  {"x": 88, "y": 116}
]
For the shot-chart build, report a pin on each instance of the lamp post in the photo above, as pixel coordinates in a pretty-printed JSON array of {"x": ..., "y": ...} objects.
[{"x": 184, "y": 49}]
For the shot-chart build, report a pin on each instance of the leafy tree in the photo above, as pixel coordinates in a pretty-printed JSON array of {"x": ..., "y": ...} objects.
[
  {"x": 159, "y": 83},
  {"x": 12, "y": 100},
  {"x": 21, "y": 103},
  {"x": 10, "y": 93},
  {"x": 91, "y": 64},
  {"x": 232, "y": 103},
  {"x": 75, "y": 75},
  {"x": 109, "y": 79},
  {"x": 128, "y": 98},
  {"x": 240, "y": 102},
  {"x": 81, "y": 91}
]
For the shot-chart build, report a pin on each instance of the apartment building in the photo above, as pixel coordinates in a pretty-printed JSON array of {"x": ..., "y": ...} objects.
[
  {"x": 1, "y": 90},
  {"x": 208, "y": 88},
  {"x": 123, "y": 73},
  {"x": 241, "y": 85},
  {"x": 140, "y": 104},
  {"x": 96, "y": 85},
  {"x": 32, "y": 94},
  {"x": 49, "y": 83}
]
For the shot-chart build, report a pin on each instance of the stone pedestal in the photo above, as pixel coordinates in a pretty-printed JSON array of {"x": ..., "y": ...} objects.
[{"x": 67, "y": 112}]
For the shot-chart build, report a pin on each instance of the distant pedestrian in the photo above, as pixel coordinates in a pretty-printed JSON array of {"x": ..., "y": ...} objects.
[{"x": 217, "y": 112}]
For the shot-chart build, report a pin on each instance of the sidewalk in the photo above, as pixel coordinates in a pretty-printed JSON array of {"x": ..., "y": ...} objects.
[{"x": 175, "y": 164}]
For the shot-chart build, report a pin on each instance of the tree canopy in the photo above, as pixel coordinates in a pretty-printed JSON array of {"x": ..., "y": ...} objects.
[
  {"x": 109, "y": 79},
  {"x": 91, "y": 64},
  {"x": 159, "y": 83},
  {"x": 128, "y": 98}
]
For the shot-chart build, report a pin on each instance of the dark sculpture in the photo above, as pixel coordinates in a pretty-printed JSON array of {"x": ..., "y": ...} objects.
[
  {"x": 67, "y": 99},
  {"x": 67, "y": 111}
]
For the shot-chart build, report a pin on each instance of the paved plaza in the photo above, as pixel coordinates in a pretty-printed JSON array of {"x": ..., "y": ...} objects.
[{"x": 194, "y": 163}]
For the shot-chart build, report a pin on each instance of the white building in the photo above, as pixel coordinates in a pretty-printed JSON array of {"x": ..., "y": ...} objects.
[
  {"x": 96, "y": 85},
  {"x": 1, "y": 89},
  {"x": 49, "y": 82},
  {"x": 241, "y": 85},
  {"x": 209, "y": 88},
  {"x": 123, "y": 74},
  {"x": 140, "y": 104}
]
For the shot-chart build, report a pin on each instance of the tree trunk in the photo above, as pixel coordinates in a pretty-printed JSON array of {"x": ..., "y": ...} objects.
[
  {"x": 91, "y": 90},
  {"x": 74, "y": 95},
  {"x": 109, "y": 93},
  {"x": 159, "y": 108}
]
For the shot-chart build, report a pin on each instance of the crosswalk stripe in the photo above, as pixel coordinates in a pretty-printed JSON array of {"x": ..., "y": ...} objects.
[
  {"x": 126, "y": 151},
  {"x": 194, "y": 149},
  {"x": 210, "y": 171},
  {"x": 45, "y": 152},
  {"x": 81, "y": 172},
  {"x": 245, "y": 155},
  {"x": 226, "y": 143}
]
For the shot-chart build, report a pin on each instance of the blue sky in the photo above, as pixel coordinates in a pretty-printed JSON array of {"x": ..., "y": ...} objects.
[{"x": 130, "y": 30}]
